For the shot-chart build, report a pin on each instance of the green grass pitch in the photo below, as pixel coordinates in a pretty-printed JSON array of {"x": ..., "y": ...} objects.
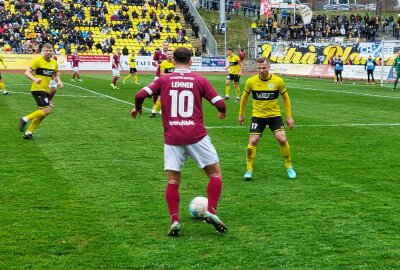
[{"x": 88, "y": 192}]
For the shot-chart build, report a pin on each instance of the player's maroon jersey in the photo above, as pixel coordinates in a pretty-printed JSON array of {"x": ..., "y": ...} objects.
[
  {"x": 181, "y": 93},
  {"x": 116, "y": 60},
  {"x": 55, "y": 57},
  {"x": 158, "y": 57},
  {"x": 75, "y": 60}
]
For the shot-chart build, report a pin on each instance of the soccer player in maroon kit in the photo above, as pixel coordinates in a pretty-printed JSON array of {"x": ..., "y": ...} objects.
[
  {"x": 185, "y": 135},
  {"x": 75, "y": 66},
  {"x": 53, "y": 84},
  {"x": 158, "y": 58},
  {"x": 116, "y": 64}
]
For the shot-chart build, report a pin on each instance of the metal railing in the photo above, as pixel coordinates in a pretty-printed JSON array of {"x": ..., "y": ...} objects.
[{"x": 212, "y": 46}]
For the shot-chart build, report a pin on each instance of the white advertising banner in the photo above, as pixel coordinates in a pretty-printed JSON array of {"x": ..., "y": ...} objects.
[{"x": 353, "y": 72}]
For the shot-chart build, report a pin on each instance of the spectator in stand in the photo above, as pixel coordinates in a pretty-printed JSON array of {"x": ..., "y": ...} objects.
[
  {"x": 195, "y": 29},
  {"x": 242, "y": 54},
  {"x": 197, "y": 52},
  {"x": 125, "y": 51},
  {"x": 204, "y": 42}
]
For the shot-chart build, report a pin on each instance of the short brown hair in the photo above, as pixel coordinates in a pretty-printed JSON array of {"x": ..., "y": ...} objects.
[
  {"x": 262, "y": 60},
  {"x": 182, "y": 55},
  {"x": 47, "y": 46}
]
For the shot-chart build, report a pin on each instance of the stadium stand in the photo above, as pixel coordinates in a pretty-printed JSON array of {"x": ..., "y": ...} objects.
[{"x": 91, "y": 26}]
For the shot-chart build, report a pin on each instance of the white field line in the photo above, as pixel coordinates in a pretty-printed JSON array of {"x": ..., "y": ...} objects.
[
  {"x": 341, "y": 92},
  {"x": 321, "y": 125},
  {"x": 58, "y": 95}
]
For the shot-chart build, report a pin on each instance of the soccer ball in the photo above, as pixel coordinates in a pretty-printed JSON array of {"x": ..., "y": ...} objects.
[{"x": 198, "y": 206}]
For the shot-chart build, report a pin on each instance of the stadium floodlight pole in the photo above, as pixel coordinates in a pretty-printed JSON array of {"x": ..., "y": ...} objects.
[
  {"x": 382, "y": 59},
  {"x": 222, "y": 20},
  {"x": 294, "y": 12}
]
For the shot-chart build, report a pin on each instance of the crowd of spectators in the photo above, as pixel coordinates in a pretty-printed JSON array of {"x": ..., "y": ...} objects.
[
  {"x": 354, "y": 27},
  {"x": 283, "y": 25},
  {"x": 66, "y": 18}
]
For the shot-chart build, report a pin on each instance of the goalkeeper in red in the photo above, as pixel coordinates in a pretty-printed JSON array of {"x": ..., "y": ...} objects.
[
  {"x": 396, "y": 65},
  {"x": 265, "y": 89},
  {"x": 185, "y": 134}
]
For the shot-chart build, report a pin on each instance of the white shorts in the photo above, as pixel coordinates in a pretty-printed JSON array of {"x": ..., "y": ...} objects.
[
  {"x": 202, "y": 152},
  {"x": 53, "y": 83},
  {"x": 76, "y": 69},
  {"x": 115, "y": 72}
]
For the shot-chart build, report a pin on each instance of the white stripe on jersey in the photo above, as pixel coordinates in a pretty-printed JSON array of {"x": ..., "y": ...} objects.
[
  {"x": 148, "y": 90},
  {"x": 216, "y": 99}
]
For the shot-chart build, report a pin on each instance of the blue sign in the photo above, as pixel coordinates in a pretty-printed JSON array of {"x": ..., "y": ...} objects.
[{"x": 213, "y": 62}]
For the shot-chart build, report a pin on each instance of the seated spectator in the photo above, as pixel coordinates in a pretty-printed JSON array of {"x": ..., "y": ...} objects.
[
  {"x": 197, "y": 52},
  {"x": 7, "y": 47},
  {"x": 170, "y": 16},
  {"x": 142, "y": 51},
  {"x": 125, "y": 51},
  {"x": 135, "y": 15}
]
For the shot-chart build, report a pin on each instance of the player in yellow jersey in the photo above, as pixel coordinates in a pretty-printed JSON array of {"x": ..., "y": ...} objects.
[
  {"x": 265, "y": 89},
  {"x": 2, "y": 84},
  {"x": 167, "y": 66},
  {"x": 40, "y": 72},
  {"x": 132, "y": 69},
  {"x": 235, "y": 70}
]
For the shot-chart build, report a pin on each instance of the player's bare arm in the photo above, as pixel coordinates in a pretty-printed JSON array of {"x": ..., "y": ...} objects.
[
  {"x": 290, "y": 122},
  {"x": 29, "y": 75},
  {"x": 135, "y": 112},
  {"x": 288, "y": 110},
  {"x": 139, "y": 99},
  {"x": 243, "y": 103}
]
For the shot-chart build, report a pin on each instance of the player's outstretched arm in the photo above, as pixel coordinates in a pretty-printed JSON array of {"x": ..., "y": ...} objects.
[
  {"x": 135, "y": 112},
  {"x": 221, "y": 107},
  {"x": 139, "y": 99}
]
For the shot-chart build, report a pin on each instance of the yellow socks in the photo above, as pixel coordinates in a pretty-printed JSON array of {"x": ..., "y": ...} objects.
[
  {"x": 227, "y": 90},
  {"x": 237, "y": 89},
  {"x": 35, "y": 123},
  {"x": 2, "y": 86},
  {"x": 135, "y": 77},
  {"x": 285, "y": 152},
  {"x": 127, "y": 77},
  {"x": 250, "y": 155},
  {"x": 36, "y": 114},
  {"x": 157, "y": 107}
]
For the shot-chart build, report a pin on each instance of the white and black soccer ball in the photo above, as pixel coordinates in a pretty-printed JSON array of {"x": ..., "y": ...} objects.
[{"x": 198, "y": 206}]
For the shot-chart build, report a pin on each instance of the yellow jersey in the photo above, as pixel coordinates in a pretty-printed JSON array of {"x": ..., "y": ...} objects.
[
  {"x": 265, "y": 95},
  {"x": 44, "y": 70},
  {"x": 132, "y": 61},
  {"x": 167, "y": 66},
  {"x": 234, "y": 64}
]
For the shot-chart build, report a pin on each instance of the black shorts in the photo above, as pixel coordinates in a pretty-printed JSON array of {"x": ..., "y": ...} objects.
[
  {"x": 258, "y": 125},
  {"x": 1, "y": 77},
  {"x": 133, "y": 70},
  {"x": 233, "y": 77},
  {"x": 41, "y": 98}
]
